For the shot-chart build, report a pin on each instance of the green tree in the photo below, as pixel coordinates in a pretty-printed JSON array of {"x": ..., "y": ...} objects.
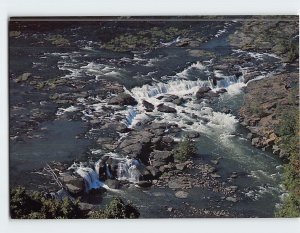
[
  {"x": 185, "y": 150},
  {"x": 116, "y": 209},
  {"x": 289, "y": 132}
]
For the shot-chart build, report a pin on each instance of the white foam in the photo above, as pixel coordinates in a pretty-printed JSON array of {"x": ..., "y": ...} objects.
[{"x": 61, "y": 111}]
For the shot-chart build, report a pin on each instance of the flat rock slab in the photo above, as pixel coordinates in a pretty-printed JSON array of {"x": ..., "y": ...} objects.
[{"x": 180, "y": 183}]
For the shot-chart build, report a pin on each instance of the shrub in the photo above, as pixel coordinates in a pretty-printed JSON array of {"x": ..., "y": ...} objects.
[
  {"x": 116, "y": 209},
  {"x": 24, "y": 205},
  {"x": 289, "y": 132},
  {"x": 35, "y": 205},
  {"x": 185, "y": 150}
]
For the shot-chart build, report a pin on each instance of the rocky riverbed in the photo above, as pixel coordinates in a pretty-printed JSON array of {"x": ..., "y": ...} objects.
[{"x": 101, "y": 109}]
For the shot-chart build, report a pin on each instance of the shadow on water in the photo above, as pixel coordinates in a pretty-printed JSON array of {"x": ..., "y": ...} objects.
[{"x": 57, "y": 143}]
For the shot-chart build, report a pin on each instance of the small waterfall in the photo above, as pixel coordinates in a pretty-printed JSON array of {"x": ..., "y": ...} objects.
[
  {"x": 128, "y": 170},
  {"x": 177, "y": 87},
  {"x": 130, "y": 115},
  {"x": 90, "y": 178}
]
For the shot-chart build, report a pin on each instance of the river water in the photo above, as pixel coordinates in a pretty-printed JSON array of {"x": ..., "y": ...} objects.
[{"x": 146, "y": 75}]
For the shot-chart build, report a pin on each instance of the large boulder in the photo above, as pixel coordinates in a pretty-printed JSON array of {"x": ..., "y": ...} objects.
[
  {"x": 174, "y": 99},
  {"x": 154, "y": 171},
  {"x": 202, "y": 91},
  {"x": 163, "y": 156},
  {"x": 192, "y": 135},
  {"x": 122, "y": 99},
  {"x": 166, "y": 109},
  {"x": 74, "y": 184},
  {"x": 148, "y": 106}
]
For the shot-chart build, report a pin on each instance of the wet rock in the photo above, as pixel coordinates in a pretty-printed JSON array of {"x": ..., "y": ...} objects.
[
  {"x": 74, "y": 184},
  {"x": 170, "y": 209},
  {"x": 215, "y": 161},
  {"x": 201, "y": 92},
  {"x": 215, "y": 175},
  {"x": 183, "y": 42},
  {"x": 156, "y": 140},
  {"x": 158, "y": 132},
  {"x": 181, "y": 194},
  {"x": 113, "y": 184},
  {"x": 211, "y": 94},
  {"x": 166, "y": 109},
  {"x": 221, "y": 91},
  {"x": 74, "y": 190},
  {"x": 174, "y": 99},
  {"x": 233, "y": 175},
  {"x": 144, "y": 172},
  {"x": 165, "y": 156},
  {"x": 167, "y": 140},
  {"x": 276, "y": 150},
  {"x": 148, "y": 106},
  {"x": 256, "y": 142},
  {"x": 157, "y": 163},
  {"x": 192, "y": 135},
  {"x": 23, "y": 77},
  {"x": 250, "y": 76},
  {"x": 122, "y": 99},
  {"x": 144, "y": 184},
  {"x": 250, "y": 136},
  {"x": 226, "y": 110},
  {"x": 154, "y": 171},
  {"x": 178, "y": 101}
]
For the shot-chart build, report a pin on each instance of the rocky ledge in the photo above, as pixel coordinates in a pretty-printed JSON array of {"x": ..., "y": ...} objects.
[{"x": 265, "y": 102}]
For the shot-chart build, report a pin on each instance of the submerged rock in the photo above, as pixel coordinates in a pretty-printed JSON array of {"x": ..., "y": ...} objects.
[
  {"x": 231, "y": 199},
  {"x": 181, "y": 194}
]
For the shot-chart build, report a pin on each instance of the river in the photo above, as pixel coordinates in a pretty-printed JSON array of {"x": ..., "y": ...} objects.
[{"x": 146, "y": 75}]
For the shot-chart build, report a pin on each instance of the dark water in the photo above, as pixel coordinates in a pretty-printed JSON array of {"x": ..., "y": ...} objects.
[{"x": 259, "y": 172}]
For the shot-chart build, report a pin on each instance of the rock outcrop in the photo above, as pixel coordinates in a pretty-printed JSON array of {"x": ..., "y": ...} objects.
[
  {"x": 265, "y": 102},
  {"x": 122, "y": 99}
]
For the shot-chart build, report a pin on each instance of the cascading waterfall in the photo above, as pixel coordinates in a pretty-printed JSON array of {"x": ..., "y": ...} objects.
[
  {"x": 128, "y": 170},
  {"x": 90, "y": 178},
  {"x": 177, "y": 87}
]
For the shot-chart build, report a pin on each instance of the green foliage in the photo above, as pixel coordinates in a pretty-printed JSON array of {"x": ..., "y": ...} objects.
[
  {"x": 185, "y": 150},
  {"x": 24, "y": 205},
  {"x": 293, "y": 52},
  {"x": 289, "y": 132},
  {"x": 58, "y": 40},
  {"x": 290, "y": 208},
  {"x": 145, "y": 38},
  {"x": 289, "y": 124},
  {"x": 117, "y": 209},
  {"x": 35, "y": 205},
  {"x": 255, "y": 108}
]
